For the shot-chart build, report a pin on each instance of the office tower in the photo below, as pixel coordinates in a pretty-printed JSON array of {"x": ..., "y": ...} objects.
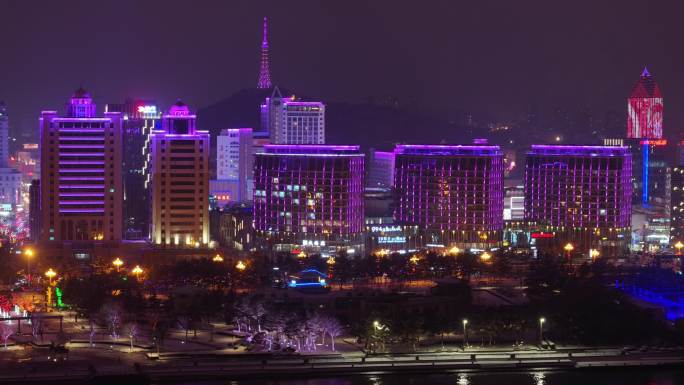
[
  {"x": 380, "y": 169},
  {"x": 645, "y": 109},
  {"x": 452, "y": 193},
  {"x": 141, "y": 117},
  {"x": 10, "y": 179},
  {"x": 179, "y": 180},
  {"x": 677, "y": 205},
  {"x": 300, "y": 123},
  {"x": 4, "y": 135},
  {"x": 271, "y": 113},
  {"x": 264, "y": 68},
  {"x": 235, "y": 162},
  {"x": 309, "y": 197},
  {"x": 581, "y": 194},
  {"x": 80, "y": 168},
  {"x": 34, "y": 210},
  {"x": 514, "y": 203}
]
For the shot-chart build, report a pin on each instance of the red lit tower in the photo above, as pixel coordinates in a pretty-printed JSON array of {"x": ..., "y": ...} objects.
[{"x": 645, "y": 109}]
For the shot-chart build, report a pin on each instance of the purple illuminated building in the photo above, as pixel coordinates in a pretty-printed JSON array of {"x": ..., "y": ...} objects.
[
  {"x": 453, "y": 194},
  {"x": 179, "y": 180},
  {"x": 580, "y": 194},
  {"x": 81, "y": 183},
  {"x": 309, "y": 197}
]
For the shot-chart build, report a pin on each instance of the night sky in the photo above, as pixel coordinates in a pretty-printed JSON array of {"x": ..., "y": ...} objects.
[{"x": 495, "y": 58}]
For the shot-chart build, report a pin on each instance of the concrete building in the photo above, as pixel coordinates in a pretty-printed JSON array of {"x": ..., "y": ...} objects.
[
  {"x": 81, "y": 181},
  {"x": 179, "y": 180},
  {"x": 141, "y": 117},
  {"x": 581, "y": 195},
  {"x": 235, "y": 162},
  {"x": 452, "y": 193},
  {"x": 300, "y": 123},
  {"x": 34, "y": 211},
  {"x": 380, "y": 169},
  {"x": 309, "y": 197}
]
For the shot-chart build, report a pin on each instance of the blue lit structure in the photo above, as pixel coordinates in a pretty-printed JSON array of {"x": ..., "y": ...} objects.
[
  {"x": 309, "y": 278},
  {"x": 644, "y": 190},
  {"x": 661, "y": 288}
]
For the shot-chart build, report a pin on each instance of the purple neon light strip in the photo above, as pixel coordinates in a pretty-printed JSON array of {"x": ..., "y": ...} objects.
[
  {"x": 81, "y": 130},
  {"x": 83, "y": 194},
  {"x": 81, "y": 170},
  {"x": 89, "y": 154},
  {"x": 81, "y": 210},
  {"x": 89, "y": 162},
  {"x": 72, "y": 178},
  {"x": 81, "y": 202},
  {"x": 76, "y": 138},
  {"x": 75, "y": 186},
  {"x": 313, "y": 146},
  {"x": 81, "y": 146},
  {"x": 66, "y": 120}
]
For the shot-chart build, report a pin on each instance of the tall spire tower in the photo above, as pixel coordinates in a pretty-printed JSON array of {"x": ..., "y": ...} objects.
[
  {"x": 264, "y": 72},
  {"x": 645, "y": 109}
]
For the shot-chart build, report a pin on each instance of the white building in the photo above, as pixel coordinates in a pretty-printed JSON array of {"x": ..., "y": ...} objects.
[
  {"x": 301, "y": 123},
  {"x": 234, "y": 163}
]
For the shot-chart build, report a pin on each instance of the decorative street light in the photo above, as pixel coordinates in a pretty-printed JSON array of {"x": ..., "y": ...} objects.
[
  {"x": 593, "y": 254},
  {"x": 568, "y": 248},
  {"x": 454, "y": 251},
  {"x": 465, "y": 333},
  {"x": 241, "y": 266},
  {"x": 541, "y": 329},
  {"x": 217, "y": 258},
  {"x": 50, "y": 274},
  {"x": 679, "y": 246},
  {"x": 485, "y": 257},
  {"x": 29, "y": 255},
  {"x": 137, "y": 270},
  {"x": 330, "y": 261},
  {"x": 117, "y": 263}
]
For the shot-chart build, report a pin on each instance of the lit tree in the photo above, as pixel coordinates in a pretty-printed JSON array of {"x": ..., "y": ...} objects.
[
  {"x": 6, "y": 331},
  {"x": 113, "y": 315},
  {"x": 334, "y": 329},
  {"x": 132, "y": 332},
  {"x": 185, "y": 322}
]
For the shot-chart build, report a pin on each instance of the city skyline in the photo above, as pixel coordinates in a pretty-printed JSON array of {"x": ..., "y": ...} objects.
[{"x": 378, "y": 64}]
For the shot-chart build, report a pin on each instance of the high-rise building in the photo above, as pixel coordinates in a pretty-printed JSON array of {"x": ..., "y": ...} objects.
[
  {"x": 581, "y": 195},
  {"x": 380, "y": 169},
  {"x": 81, "y": 181},
  {"x": 235, "y": 160},
  {"x": 179, "y": 180},
  {"x": 452, "y": 193},
  {"x": 34, "y": 210},
  {"x": 264, "y": 67},
  {"x": 10, "y": 179},
  {"x": 309, "y": 197},
  {"x": 300, "y": 123},
  {"x": 141, "y": 117},
  {"x": 4, "y": 135},
  {"x": 645, "y": 109},
  {"x": 271, "y": 113},
  {"x": 677, "y": 205}
]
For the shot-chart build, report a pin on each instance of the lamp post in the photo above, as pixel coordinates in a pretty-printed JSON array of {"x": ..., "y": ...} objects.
[
  {"x": 50, "y": 274},
  {"x": 679, "y": 246},
  {"x": 541, "y": 329},
  {"x": 568, "y": 248},
  {"x": 465, "y": 333},
  {"x": 117, "y": 263},
  {"x": 593, "y": 254},
  {"x": 137, "y": 270},
  {"x": 485, "y": 257},
  {"x": 241, "y": 266},
  {"x": 29, "y": 255},
  {"x": 217, "y": 258}
]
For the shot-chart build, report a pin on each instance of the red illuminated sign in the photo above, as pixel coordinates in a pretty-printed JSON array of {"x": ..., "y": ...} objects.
[
  {"x": 542, "y": 235},
  {"x": 656, "y": 142}
]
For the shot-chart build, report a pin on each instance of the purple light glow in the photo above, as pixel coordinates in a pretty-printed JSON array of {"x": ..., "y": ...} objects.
[
  {"x": 73, "y": 178},
  {"x": 544, "y": 149},
  {"x": 97, "y": 146},
  {"x": 83, "y": 194},
  {"x": 78, "y": 186},
  {"x": 84, "y": 162},
  {"x": 67, "y": 170},
  {"x": 81, "y": 210},
  {"x": 438, "y": 149},
  {"x": 81, "y": 202}
]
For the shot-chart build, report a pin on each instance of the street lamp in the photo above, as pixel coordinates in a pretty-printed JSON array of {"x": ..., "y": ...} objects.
[
  {"x": 330, "y": 261},
  {"x": 117, "y": 263},
  {"x": 679, "y": 246},
  {"x": 465, "y": 333},
  {"x": 217, "y": 258},
  {"x": 593, "y": 254},
  {"x": 137, "y": 270},
  {"x": 29, "y": 255},
  {"x": 414, "y": 259},
  {"x": 454, "y": 251},
  {"x": 241, "y": 266},
  {"x": 485, "y": 257},
  {"x": 50, "y": 274},
  {"x": 541, "y": 329},
  {"x": 568, "y": 248}
]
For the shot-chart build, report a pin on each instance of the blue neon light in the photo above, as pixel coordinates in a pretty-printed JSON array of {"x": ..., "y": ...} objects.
[
  {"x": 644, "y": 171},
  {"x": 672, "y": 305}
]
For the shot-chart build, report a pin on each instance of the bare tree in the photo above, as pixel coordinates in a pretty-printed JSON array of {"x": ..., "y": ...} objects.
[
  {"x": 185, "y": 322},
  {"x": 334, "y": 329},
  {"x": 36, "y": 326},
  {"x": 114, "y": 317},
  {"x": 6, "y": 331},
  {"x": 92, "y": 331},
  {"x": 132, "y": 331}
]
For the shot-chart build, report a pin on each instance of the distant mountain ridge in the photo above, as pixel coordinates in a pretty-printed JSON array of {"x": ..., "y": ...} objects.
[{"x": 368, "y": 125}]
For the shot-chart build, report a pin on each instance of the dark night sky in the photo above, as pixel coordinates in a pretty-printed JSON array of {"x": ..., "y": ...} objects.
[{"x": 496, "y": 57}]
